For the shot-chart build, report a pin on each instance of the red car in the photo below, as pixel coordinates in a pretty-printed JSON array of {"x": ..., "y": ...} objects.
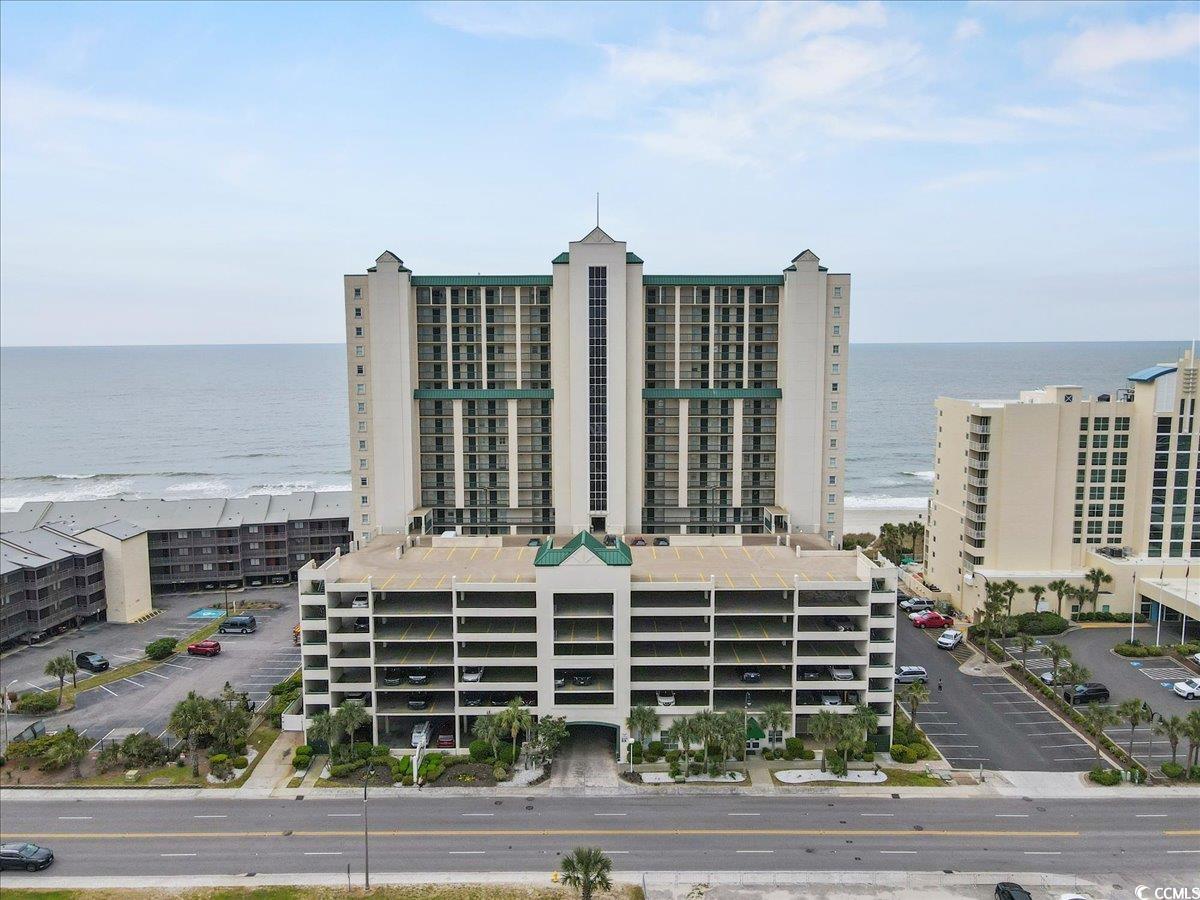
[
  {"x": 445, "y": 740},
  {"x": 931, "y": 619},
  {"x": 204, "y": 648}
]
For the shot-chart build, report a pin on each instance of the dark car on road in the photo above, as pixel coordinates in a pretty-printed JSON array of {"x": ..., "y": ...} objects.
[
  {"x": 239, "y": 625},
  {"x": 29, "y": 857},
  {"x": 93, "y": 662},
  {"x": 1092, "y": 692},
  {"x": 1010, "y": 890}
]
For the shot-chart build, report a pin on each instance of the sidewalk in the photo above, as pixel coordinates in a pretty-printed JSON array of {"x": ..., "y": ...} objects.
[{"x": 274, "y": 770}]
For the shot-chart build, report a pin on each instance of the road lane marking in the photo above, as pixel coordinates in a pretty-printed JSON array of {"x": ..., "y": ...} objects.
[
  {"x": 131, "y": 681},
  {"x": 211, "y": 816},
  {"x": 567, "y": 832},
  {"x": 895, "y": 852},
  {"x": 36, "y": 688},
  {"x": 177, "y": 666},
  {"x": 754, "y": 851},
  {"x": 1150, "y": 816},
  {"x": 743, "y": 814},
  {"x": 322, "y": 852},
  {"x": 1043, "y": 853},
  {"x": 603, "y": 814},
  {"x": 877, "y": 815},
  {"x": 107, "y": 691},
  {"x": 478, "y": 814},
  {"x": 75, "y": 817},
  {"x": 344, "y": 815},
  {"x": 1012, "y": 815},
  {"x": 467, "y": 852},
  {"x": 1183, "y": 851},
  {"x": 177, "y": 854}
]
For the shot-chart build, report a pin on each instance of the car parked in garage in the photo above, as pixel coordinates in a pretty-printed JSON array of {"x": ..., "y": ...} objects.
[
  {"x": 665, "y": 698},
  {"x": 841, "y": 673},
  {"x": 472, "y": 674}
]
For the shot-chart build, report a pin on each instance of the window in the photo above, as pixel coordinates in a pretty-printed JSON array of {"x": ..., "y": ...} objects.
[
  {"x": 359, "y": 370},
  {"x": 359, "y": 351},
  {"x": 598, "y": 387},
  {"x": 832, "y": 480},
  {"x": 181, "y": 534},
  {"x": 837, "y": 330},
  {"x": 837, "y": 292},
  {"x": 1096, "y": 493},
  {"x": 1121, "y": 423},
  {"x": 256, "y": 562},
  {"x": 833, "y": 462},
  {"x": 358, "y": 312},
  {"x": 837, "y": 312},
  {"x": 357, "y": 293},
  {"x": 1100, "y": 423},
  {"x": 833, "y": 443},
  {"x": 362, "y": 500},
  {"x": 837, "y": 349},
  {"x": 360, "y": 389},
  {"x": 362, "y": 426},
  {"x": 358, "y": 332},
  {"x": 830, "y": 518},
  {"x": 833, "y": 406},
  {"x": 1083, "y": 424},
  {"x": 362, "y": 481},
  {"x": 366, "y": 519},
  {"x": 362, "y": 463},
  {"x": 831, "y": 498},
  {"x": 836, "y": 369},
  {"x": 833, "y": 426},
  {"x": 833, "y": 386},
  {"x": 362, "y": 445},
  {"x": 362, "y": 407}
]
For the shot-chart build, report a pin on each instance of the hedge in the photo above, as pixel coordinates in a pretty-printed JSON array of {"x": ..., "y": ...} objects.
[
  {"x": 1173, "y": 770},
  {"x": 341, "y": 770},
  {"x": 1107, "y": 617},
  {"x": 160, "y": 649},
  {"x": 480, "y": 751},
  {"x": 239, "y": 762},
  {"x": 1106, "y": 777},
  {"x": 32, "y": 704}
]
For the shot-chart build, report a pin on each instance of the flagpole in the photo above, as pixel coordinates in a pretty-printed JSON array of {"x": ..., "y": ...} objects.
[
  {"x": 1187, "y": 575},
  {"x": 1158, "y": 629},
  {"x": 1133, "y": 604}
]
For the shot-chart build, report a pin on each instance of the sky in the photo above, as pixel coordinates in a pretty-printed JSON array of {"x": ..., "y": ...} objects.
[{"x": 986, "y": 171}]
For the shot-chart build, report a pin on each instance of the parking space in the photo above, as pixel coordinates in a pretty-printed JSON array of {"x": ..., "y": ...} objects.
[
  {"x": 987, "y": 722},
  {"x": 143, "y": 702}
]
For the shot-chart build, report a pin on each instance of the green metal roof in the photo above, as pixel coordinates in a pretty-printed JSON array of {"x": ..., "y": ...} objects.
[
  {"x": 549, "y": 555},
  {"x": 563, "y": 258},
  {"x": 711, "y": 393},
  {"x": 731, "y": 280},
  {"x": 479, "y": 280},
  {"x": 483, "y": 394},
  {"x": 754, "y": 731}
]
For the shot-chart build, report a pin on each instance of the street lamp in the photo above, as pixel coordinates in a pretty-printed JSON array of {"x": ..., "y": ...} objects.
[
  {"x": 370, "y": 773},
  {"x": 4, "y": 704}
]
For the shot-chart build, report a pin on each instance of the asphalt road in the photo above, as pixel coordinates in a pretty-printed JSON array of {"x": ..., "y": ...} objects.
[
  {"x": 662, "y": 833},
  {"x": 988, "y": 722}
]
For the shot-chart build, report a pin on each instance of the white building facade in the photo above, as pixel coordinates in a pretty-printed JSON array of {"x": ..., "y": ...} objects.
[{"x": 597, "y": 398}]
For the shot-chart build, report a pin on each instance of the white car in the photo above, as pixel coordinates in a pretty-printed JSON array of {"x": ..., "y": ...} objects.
[
  {"x": 359, "y": 602},
  {"x": 665, "y": 698},
  {"x": 1188, "y": 689},
  {"x": 950, "y": 639},
  {"x": 828, "y": 699},
  {"x": 420, "y": 734},
  {"x": 472, "y": 673},
  {"x": 841, "y": 673}
]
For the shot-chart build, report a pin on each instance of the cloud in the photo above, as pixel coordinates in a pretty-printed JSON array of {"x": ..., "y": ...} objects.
[
  {"x": 967, "y": 29},
  {"x": 1102, "y": 48},
  {"x": 969, "y": 178},
  {"x": 525, "y": 19}
]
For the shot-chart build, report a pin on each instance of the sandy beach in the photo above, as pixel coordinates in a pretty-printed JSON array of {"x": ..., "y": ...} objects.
[{"x": 857, "y": 520}]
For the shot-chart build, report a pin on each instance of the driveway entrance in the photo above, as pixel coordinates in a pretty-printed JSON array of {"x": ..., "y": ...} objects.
[{"x": 587, "y": 757}]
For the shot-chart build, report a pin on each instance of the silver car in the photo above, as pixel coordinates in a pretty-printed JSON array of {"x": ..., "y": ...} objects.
[{"x": 912, "y": 675}]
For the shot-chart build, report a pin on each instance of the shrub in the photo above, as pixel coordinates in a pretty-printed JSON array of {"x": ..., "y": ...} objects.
[
  {"x": 363, "y": 749},
  {"x": 807, "y": 754},
  {"x": 768, "y": 753},
  {"x": 1041, "y": 623},
  {"x": 902, "y": 754},
  {"x": 33, "y": 704},
  {"x": 919, "y": 751},
  {"x": 837, "y": 765},
  {"x": 656, "y": 747},
  {"x": 239, "y": 762},
  {"x": 500, "y": 773},
  {"x": 1172, "y": 770},
  {"x": 1193, "y": 772},
  {"x": 867, "y": 756},
  {"x": 672, "y": 756},
  {"x": 794, "y": 746},
  {"x": 142, "y": 749},
  {"x": 1107, "y": 617},
  {"x": 1189, "y": 649},
  {"x": 505, "y": 755},
  {"x": 219, "y": 766},
  {"x": 160, "y": 649},
  {"x": 1106, "y": 777},
  {"x": 1140, "y": 650},
  {"x": 407, "y": 780},
  {"x": 341, "y": 770},
  {"x": 480, "y": 751},
  {"x": 301, "y": 761},
  {"x": 675, "y": 771},
  {"x": 695, "y": 768}
]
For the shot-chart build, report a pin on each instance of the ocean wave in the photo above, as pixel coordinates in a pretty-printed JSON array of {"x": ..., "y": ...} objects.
[
  {"x": 103, "y": 476},
  {"x": 253, "y": 456},
  {"x": 211, "y": 487},
  {"x": 288, "y": 487},
  {"x": 926, "y": 475},
  {"x": 92, "y": 491},
  {"x": 881, "y": 501}
]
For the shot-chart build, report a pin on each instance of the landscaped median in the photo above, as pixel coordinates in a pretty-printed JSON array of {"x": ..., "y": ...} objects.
[{"x": 396, "y": 892}]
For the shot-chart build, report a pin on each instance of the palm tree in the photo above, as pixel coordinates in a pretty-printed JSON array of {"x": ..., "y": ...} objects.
[
  {"x": 1059, "y": 587},
  {"x": 1057, "y": 651},
  {"x": 865, "y": 721},
  {"x": 681, "y": 733},
  {"x": 642, "y": 720},
  {"x": 1076, "y": 674},
  {"x": 826, "y": 727},
  {"x": 704, "y": 724},
  {"x": 775, "y": 717},
  {"x": 516, "y": 718},
  {"x": 1131, "y": 711},
  {"x": 587, "y": 870},
  {"x": 1026, "y": 642},
  {"x": 487, "y": 728},
  {"x": 349, "y": 717},
  {"x": 192, "y": 718},
  {"x": 1010, "y": 589},
  {"x": 69, "y": 748},
  {"x": 731, "y": 735},
  {"x": 1192, "y": 733},
  {"x": 1036, "y": 591},
  {"x": 321, "y": 728},
  {"x": 1096, "y": 577},
  {"x": 60, "y": 667},
  {"x": 1095, "y": 719},
  {"x": 1172, "y": 729},
  {"x": 995, "y": 602},
  {"x": 913, "y": 696}
]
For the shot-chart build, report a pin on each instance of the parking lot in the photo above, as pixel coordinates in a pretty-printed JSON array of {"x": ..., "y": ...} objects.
[
  {"x": 1148, "y": 679},
  {"x": 986, "y": 722},
  {"x": 143, "y": 702}
]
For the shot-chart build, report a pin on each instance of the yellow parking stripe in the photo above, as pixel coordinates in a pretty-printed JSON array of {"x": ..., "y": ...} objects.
[
  {"x": 782, "y": 580},
  {"x": 451, "y": 553},
  {"x": 757, "y": 583},
  {"x": 439, "y": 582},
  {"x": 427, "y": 552},
  {"x": 473, "y": 552}
]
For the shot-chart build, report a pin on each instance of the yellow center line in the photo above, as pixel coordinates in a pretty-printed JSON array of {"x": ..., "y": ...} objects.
[{"x": 654, "y": 553}]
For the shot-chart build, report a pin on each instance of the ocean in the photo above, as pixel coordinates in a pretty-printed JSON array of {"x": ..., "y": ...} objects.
[{"x": 229, "y": 421}]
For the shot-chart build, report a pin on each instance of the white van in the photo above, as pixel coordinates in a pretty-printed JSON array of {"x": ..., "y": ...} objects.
[{"x": 421, "y": 734}]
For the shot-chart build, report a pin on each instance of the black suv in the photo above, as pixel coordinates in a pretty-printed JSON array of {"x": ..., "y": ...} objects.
[
  {"x": 583, "y": 679},
  {"x": 1092, "y": 692},
  {"x": 752, "y": 676},
  {"x": 418, "y": 701},
  {"x": 29, "y": 857},
  {"x": 93, "y": 662}
]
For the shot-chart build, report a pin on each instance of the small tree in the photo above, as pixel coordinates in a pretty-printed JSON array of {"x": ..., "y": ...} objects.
[
  {"x": 1058, "y": 652},
  {"x": 1059, "y": 587},
  {"x": 1192, "y": 733},
  {"x": 551, "y": 732},
  {"x": 826, "y": 727},
  {"x": 681, "y": 733},
  {"x": 487, "y": 728},
  {"x": 1036, "y": 591},
  {"x": 642, "y": 720},
  {"x": 1011, "y": 589},
  {"x": 587, "y": 870},
  {"x": 1172, "y": 729},
  {"x": 865, "y": 721},
  {"x": 515, "y": 719},
  {"x": 191, "y": 719},
  {"x": 1026, "y": 642},
  {"x": 1132, "y": 711},
  {"x": 321, "y": 728},
  {"x": 69, "y": 748},
  {"x": 1076, "y": 674},
  {"x": 704, "y": 725},
  {"x": 350, "y": 716},
  {"x": 60, "y": 667},
  {"x": 1095, "y": 720},
  {"x": 1095, "y": 577},
  {"x": 776, "y": 718},
  {"x": 913, "y": 696}
]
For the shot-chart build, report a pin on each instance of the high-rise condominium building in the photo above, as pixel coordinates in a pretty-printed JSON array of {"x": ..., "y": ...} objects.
[
  {"x": 1053, "y": 484},
  {"x": 597, "y": 397}
]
